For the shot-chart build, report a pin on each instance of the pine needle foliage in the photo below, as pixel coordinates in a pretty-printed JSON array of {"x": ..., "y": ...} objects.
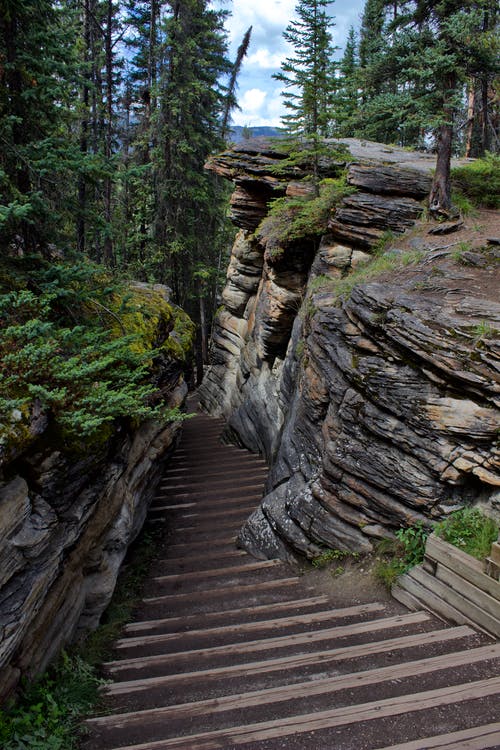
[{"x": 64, "y": 349}]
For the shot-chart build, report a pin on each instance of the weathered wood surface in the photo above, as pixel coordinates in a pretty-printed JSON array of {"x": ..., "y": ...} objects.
[{"x": 260, "y": 665}]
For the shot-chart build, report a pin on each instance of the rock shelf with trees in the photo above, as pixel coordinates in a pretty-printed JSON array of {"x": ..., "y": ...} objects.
[{"x": 360, "y": 363}]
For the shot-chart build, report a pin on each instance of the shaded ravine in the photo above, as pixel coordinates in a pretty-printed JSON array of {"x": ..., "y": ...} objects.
[{"x": 227, "y": 651}]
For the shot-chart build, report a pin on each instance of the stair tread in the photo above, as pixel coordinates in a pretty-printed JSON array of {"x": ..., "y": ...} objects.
[{"x": 228, "y": 651}]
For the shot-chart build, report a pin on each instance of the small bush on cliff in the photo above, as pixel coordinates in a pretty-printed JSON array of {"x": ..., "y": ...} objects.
[
  {"x": 65, "y": 347},
  {"x": 306, "y": 217}
]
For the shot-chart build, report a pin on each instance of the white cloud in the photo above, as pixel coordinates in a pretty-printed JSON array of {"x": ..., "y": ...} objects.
[
  {"x": 264, "y": 58},
  {"x": 260, "y": 101}
]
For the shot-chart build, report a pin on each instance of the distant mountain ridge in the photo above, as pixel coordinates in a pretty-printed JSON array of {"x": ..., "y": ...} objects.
[{"x": 239, "y": 133}]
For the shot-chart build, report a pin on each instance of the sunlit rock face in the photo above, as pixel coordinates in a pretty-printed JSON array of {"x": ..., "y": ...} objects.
[{"x": 377, "y": 405}]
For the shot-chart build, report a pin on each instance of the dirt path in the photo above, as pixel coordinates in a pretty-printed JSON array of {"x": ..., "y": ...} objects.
[{"x": 228, "y": 651}]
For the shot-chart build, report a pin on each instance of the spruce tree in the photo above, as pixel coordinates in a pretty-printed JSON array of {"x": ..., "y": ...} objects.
[
  {"x": 346, "y": 95},
  {"x": 308, "y": 76},
  {"x": 39, "y": 155}
]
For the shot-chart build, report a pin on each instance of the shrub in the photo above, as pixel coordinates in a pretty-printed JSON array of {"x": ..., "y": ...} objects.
[
  {"x": 293, "y": 219},
  {"x": 78, "y": 345},
  {"x": 480, "y": 181}
]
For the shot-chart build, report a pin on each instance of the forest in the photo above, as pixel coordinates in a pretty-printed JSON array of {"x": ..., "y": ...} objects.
[{"x": 109, "y": 111}]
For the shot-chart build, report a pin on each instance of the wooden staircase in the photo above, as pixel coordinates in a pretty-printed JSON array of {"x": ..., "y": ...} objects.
[{"x": 227, "y": 651}]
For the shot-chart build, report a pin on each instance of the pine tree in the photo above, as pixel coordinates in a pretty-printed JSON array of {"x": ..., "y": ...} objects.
[
  {"x": 189, "y": 201},
  {"x": 346, "y": 96},
  {"x": 39, "y": 155},
  {"x": 308, "y": 75}
]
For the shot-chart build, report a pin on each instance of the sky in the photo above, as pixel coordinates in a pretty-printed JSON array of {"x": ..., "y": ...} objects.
[{"x": 258, "y": 93}]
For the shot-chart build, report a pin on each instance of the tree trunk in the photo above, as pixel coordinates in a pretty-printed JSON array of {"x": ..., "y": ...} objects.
[
  {"x": 471, "y": 106},
  {"x": 440, "y": 195}
]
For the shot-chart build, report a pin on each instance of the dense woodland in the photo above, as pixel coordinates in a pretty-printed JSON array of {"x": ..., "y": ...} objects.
[{"x": 109, "y": 110}]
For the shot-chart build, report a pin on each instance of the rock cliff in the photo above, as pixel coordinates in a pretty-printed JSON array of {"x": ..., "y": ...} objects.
[
  {"x": 67, "y": 519},
  {"x": 361, "y": 360}
]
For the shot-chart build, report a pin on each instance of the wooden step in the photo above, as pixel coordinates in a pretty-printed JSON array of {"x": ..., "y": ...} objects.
[
  {"x": 323, "y": 657},
  {"x": 229, "y": 591},
  {"x": 271, "y": 643},
  {"x": 244, "y": 660},
  {"x": 247, "y": 627},
  {"x": 301, "y": 689},
  {"x": 475, "y": 738},
  {"x": 241, "y": 613},
  {"x": 216, "y": 572},
  {"x": 300, "y": 724}
]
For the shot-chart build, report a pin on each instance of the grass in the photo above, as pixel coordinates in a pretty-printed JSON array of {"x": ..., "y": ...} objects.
[
  {"x": 479, "y": 181},
  {"x": 467, "y": 529},
  {"x": 397, "y": 556},
  {"x": 49, "y": 712},
  {"x": 380, "y": 264}
]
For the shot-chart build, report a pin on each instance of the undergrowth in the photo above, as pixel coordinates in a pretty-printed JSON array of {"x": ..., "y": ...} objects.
[
  {"x": 49, "y": 712},
  {"x": 292, "y": 219},
  {"x": 332, "y": 558},
  {"x": 50, "y": 709},
  {"x": 479, "y": 181},
  {"x": 79, "y": 346},
  {"x": 467, "y": 529}
]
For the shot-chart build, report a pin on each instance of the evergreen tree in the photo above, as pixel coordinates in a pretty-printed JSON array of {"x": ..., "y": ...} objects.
[
  {"x": 346, "y": 96},
  {"x": 39, "y": 155},
  {"x": 308, "y": 75},
  {"x": 189, "y": 202}
]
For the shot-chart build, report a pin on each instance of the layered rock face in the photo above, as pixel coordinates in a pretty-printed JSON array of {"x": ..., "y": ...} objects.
[
  {"x": 373, "y": 393},
  {"x": 66, "y": 522}
]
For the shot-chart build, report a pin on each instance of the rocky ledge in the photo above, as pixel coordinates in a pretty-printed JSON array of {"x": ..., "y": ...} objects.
[{"x": 370, "y": 385}]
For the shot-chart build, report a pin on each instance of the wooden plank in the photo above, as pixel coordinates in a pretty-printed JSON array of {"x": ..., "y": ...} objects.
[
  {"x": 179, "y": 506},
  {"x": 292, "y": 662},
  {"x": 275, "y": 642},
  {"x": 470, "y": 611},
  {"x": 474, "y": 738},
  {"x": 462, "y": 564},
  {"x": 495, "y": 552},
  {"x": 200, "y": 512},
  {"x": 229, "y": 591},
  {"x": 200, "y": 575},
  {"x": 336, "y": 717},
  {"x": 194, "y": 559},
  {"x": 469, "y": 591},
  {"x": 248, "y": 627},
  {"x": 218, "y": 542},
  {"x": 227, "y": 512},
  {"x": 314, "y": 686},
  {"x": 239, "y": 612}
]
